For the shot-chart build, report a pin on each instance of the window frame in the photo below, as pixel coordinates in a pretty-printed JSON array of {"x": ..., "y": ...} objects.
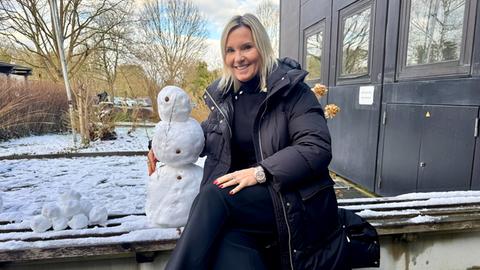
[
  {"x": 452, "y": 68},
  {"x": 316, "y": 28},
  {"x": 344, "y": 13}
]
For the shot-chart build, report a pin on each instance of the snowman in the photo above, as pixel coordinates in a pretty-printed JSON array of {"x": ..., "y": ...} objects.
[{"x": 176, "y": 143}]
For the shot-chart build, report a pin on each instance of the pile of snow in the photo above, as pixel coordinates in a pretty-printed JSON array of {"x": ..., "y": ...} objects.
[
  {"x": 424, "y": 219},
  {"x": 177, "y": 142},
  {"x": 71, "y": 211}
]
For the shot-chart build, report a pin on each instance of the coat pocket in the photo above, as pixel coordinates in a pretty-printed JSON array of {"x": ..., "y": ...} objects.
[
  {"x": 313, "y": 188},
  {"x": 214, "y": 140}
]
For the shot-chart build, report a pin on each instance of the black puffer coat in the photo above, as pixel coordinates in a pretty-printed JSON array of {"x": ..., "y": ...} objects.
[{"x": 292, "y": 143}]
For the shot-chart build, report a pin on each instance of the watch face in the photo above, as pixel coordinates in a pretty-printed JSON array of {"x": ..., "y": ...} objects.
[{"x": 260, "y": 176}]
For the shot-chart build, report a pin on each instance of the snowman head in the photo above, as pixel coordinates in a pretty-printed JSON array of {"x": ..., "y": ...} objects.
[{"x": 173, "y": 104}]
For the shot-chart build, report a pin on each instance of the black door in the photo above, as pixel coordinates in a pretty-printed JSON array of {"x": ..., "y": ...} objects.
[
  {"x": 447, "y": 148},
  {"x": 427, "y": 148},
  {"x": 401, "y": 144},
  {"x": 355, "y": 79}
]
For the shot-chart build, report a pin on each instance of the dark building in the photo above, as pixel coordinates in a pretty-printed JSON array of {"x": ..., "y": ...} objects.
[
  {"x": 8, "y": 69},
  {"x": 406, "y": 75}
]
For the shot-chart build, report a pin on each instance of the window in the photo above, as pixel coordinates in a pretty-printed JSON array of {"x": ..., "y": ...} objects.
[
  {"x": 434, "y": 38},
  {"x": 434, "y": 31},
  {"x": 355, "y": 47},
  {"x": 313, "y": 52}
]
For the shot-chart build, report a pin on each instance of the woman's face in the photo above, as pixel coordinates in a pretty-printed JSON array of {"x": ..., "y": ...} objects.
[{"x": 241, "y": 55}]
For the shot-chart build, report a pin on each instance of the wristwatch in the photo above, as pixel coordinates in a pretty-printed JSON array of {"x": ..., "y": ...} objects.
[{"x": 260, "y": 175}]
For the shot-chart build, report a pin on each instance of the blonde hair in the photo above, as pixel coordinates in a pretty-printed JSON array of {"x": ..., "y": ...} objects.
[{"x": 262, "y": 43}]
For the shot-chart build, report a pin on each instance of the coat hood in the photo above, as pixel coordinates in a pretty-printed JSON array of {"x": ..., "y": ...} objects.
[{"x": 283, "y": 78}]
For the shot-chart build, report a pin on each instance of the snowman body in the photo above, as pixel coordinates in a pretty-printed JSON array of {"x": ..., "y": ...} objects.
[{"x": 177, "y": 142}]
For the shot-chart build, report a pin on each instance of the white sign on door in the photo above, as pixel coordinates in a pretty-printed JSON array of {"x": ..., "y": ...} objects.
[{"x": 365, "y": 95}]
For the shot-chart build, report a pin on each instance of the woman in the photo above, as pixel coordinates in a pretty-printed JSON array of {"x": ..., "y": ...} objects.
[{"x": 266, "y": 199}]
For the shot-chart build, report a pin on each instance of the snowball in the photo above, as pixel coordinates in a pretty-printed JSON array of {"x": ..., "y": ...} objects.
[
  {"x": 51, "y": 210},
  {"x": 40, "y": 224},
  {"x": 173, "y": 104},
  {"x": 170, "y": 194},
  {"x": 71, "y": 208},
  {"x": 98, "y": 215},
  {"x": 59, "y": 223},
  {"x": 178, "y": 143},
  {"x": 79, "y": 221},
  {"x": 70, "y": 195},
  {"x": 86, "y": 206}
]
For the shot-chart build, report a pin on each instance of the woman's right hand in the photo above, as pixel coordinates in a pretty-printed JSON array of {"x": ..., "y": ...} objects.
[{"x": 151, "y": 162}]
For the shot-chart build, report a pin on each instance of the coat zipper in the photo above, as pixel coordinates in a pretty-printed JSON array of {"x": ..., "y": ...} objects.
[
  {"x": 279, "y": 195},
  {"x": 220, "y": 110},
  {"x": 288, "y": 230}
]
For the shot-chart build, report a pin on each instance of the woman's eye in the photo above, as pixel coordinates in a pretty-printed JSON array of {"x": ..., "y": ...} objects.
[
  {"x": 247, "y": 47},
  {"x": 229, "y": 50}
]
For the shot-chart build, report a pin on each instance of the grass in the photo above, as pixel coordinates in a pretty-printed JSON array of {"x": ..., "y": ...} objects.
[{"x": 31, "y": 108}]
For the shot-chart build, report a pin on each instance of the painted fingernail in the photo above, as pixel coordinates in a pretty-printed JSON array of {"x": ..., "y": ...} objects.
[
  {"x": 221, "y": 186},
  {"x": 215, "y": 182},
  {"x": 231, "y": 192}
]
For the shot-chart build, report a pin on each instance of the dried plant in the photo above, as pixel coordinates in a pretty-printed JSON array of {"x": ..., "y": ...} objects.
[
  {"x": 30, "y": 108},
  {"x": 320, "y": 90},
  {"x": 331, "y": 110},
  {"x": 200, "y": 110}
]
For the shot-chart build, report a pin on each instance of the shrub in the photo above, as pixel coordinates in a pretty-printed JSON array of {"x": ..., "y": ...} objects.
[{"x": 33, "y": 107}]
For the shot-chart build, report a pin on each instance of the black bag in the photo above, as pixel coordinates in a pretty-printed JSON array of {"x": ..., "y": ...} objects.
[{"x": 363, "y": 248}]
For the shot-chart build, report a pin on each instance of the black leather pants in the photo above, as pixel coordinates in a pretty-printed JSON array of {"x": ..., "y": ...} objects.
[{"x": 226, "y": 232}]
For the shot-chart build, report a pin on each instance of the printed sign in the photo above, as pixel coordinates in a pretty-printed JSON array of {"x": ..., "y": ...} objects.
[{"x": 365, "y": 95}]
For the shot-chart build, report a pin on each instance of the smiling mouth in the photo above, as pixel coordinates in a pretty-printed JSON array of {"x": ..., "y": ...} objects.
[{"x": 241, "y": 67}]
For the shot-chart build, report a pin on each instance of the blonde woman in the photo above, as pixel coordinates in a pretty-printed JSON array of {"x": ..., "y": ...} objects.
[{"x": 266, "y": 200}]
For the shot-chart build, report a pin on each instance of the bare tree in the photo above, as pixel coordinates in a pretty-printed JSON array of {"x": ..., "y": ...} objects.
[
  {"x": 27, "y": 24},
  {"x": 114, "y": 48},
  {"x": 174, "y": 34},
  {"x": 269, "y": 15}
]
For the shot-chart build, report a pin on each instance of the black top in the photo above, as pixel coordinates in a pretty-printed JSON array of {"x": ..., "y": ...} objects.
[{"x": 246, "y": 102}]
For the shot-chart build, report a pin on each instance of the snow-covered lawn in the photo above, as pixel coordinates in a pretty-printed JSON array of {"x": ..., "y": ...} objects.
[
  {"x": 115, "y": 182},
  {"x": 60, "y": 143}
]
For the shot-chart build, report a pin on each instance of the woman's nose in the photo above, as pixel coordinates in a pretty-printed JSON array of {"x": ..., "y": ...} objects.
[{"x": 239, "y": 57}]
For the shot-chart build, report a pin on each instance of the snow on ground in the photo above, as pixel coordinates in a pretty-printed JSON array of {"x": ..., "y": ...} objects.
[
  {"x": 118, "y": 183},
  {"x": 60, "y": 143}
]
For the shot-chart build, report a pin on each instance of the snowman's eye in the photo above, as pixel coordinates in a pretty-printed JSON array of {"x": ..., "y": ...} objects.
[
  {"x": 167, "y": 99},
  {"x": 179, "y": 177},
  {"x": 178, "y": 151}
]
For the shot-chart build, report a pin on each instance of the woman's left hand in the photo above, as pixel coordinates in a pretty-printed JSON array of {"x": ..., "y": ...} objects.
[{"x": 242, "y": 178}]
